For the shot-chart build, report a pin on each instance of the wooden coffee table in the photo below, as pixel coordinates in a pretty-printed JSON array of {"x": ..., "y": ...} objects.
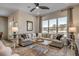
[{"x": 37, "y": 40}]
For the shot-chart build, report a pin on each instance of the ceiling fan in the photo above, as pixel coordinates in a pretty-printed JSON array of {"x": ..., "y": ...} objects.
[{"x": 37, "y": 7}]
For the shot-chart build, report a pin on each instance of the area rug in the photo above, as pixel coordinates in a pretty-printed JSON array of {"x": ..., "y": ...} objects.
[
  {"x": 40, "y": 49},
  {"x": 35, "y": 51}
]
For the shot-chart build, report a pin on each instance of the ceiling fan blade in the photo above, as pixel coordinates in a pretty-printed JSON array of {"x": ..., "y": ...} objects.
[
  {"x": 32, "y": 9},
  {"x": 36, "y": 4},
  {"x": 43, "y": 7}
]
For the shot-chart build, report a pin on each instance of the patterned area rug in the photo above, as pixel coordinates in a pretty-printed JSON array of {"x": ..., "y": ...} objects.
[
  {"x": 41, "y": 50},
  {"x": 27, "y": 52},
  {"x": 33, "y": 50},
  {"x": 50, "y": 51}
]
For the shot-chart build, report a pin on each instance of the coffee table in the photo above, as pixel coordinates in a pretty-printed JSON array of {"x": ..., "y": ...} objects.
[
  {"x": 37, "y": 40},
  {"x": 46, "y": 42}
]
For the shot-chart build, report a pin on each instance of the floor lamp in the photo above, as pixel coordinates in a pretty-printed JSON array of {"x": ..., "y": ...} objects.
[{"x": 14, "y": 30}]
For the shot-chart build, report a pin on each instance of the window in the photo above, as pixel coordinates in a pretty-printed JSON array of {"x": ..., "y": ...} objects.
[
  {"x": 45, "y": 26},
  {"x": 62, "y": 25},
  {"x": 52, "y": 26}
]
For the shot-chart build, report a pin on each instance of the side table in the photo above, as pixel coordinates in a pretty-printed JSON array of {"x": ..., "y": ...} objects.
[{"x": 15, "y": 42}]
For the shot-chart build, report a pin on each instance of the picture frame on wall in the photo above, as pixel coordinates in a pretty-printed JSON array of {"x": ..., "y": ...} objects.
[{"x": 29, "y": 25}]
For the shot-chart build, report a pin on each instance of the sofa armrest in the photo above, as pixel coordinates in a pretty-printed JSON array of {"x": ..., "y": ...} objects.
[{"x": 57, "y": 43}]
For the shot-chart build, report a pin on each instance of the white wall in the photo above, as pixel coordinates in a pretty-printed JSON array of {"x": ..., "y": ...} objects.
[{"x": 4, "y": 26}]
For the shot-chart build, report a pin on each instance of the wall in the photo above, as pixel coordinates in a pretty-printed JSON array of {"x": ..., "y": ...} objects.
[
  {"x": 4, "y": 26},
  {"x": 22, "y": 22},
  {"x": 22, "y": 17},
  {"x": 10, "y": 23},
  {"x": 55, "y": 15},
  {"x": 37, "y": 24},
  {"x": 76, "y": 18}
]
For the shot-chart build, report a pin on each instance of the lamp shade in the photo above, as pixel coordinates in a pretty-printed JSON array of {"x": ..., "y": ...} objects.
[
  {"x": 14, "y": 29},
  {"x": 72, "y": 29}
]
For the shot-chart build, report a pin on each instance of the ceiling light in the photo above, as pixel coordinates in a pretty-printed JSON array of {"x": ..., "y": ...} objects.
[{"x": 37, "y": 7}]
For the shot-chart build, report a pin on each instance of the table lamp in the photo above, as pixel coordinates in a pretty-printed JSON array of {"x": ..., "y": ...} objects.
[
  {"x": 14, "y": 30},
  {"x": 72, "y": 30}
]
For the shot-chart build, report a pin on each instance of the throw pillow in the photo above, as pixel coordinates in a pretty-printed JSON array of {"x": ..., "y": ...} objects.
[{"x": 59, "y": 36}]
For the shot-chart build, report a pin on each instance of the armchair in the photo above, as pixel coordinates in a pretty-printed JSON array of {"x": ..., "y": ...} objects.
[
  {"x": 5, "y": 51},
  {"x": 1, "y": 34}
]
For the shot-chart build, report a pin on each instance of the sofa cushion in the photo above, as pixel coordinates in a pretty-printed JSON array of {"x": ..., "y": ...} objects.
[
  {"x": 57, "y": 43},
  {"x": 59, "y": 36},
  {"x": 48, "y": 35},
  {"x": 23, "y": 36},
  {"x": 33, "y": 35},
  {"x": 51, "y": 36},
  {"x": 54, "y": 36},
  {"x": 44, "y": 35},
  {"x": 39, "y": 35}
]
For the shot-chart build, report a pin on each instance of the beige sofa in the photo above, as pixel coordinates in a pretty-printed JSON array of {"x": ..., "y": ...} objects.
[
  {"x": 57, "y": 43},
  {"x": 27, "y": 39},
  {"x": 53, "y": 39}
]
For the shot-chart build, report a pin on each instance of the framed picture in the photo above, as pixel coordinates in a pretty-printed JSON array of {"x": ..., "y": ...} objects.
[{"x": 29, "y": 25}]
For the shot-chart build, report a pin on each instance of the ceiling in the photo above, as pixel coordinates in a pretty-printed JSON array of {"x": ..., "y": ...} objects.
[{"x": 8, "y": 8}]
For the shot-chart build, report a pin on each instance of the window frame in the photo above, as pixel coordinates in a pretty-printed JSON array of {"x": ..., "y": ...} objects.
[
  {"x": 57, "y": 24},
  {"x": 47, "y": 26}
]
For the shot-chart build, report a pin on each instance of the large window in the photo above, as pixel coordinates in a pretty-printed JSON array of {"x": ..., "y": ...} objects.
[
  {"x": 52, "y": 26},
  {"x": 58, "y": 25},
  {"x": 45, "y": 26},
  {"x": 62, "y": 25}
]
